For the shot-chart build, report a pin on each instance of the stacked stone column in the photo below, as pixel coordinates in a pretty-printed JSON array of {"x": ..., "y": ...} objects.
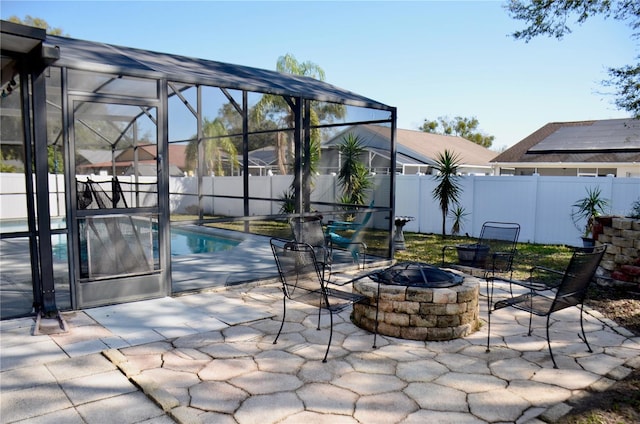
[{"x": 621, "y": 263}]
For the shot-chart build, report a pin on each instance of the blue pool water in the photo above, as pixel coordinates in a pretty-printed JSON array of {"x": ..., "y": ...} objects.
[{"x": 185, "y": 242}]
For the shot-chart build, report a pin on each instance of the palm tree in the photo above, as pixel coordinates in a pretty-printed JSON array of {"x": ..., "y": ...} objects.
[
  {"x": 276, "y": 107},
  {"x": 353, "y": 175},
  {"x": 218, "y": 150},
  {"x": 448, "y": 190}
]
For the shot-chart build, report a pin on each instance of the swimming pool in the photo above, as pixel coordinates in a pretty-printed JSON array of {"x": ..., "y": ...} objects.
[
  {"x": 184, "y": 240},
  {"x": 188, "y": 242}
]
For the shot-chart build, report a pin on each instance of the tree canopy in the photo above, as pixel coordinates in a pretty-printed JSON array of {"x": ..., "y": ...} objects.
[
  {"x": 219, "y": 153},
  {"x": 550, "y": 18},
  {"x": 276, "y": 108},
  {"x": 466, "y": 128},
  {"x": 38, "y": 23}
]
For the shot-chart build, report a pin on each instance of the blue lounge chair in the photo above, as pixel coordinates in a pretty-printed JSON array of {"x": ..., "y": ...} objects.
[{"x": 352, "y": 242}]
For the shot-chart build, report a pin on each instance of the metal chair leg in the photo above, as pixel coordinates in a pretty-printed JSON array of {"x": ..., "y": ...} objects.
[
  {"x": 489, "y": 307},
  {"x": 584, "y": 335},
  {"x": 284, "y": 314},
  {"x": 330, "y": 335},
  {"x": 531, "y": 317},
  {"x": 375, "y": 333},
  {"x": 549, "y": 343}
]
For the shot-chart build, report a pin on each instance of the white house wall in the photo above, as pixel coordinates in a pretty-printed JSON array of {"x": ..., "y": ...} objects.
[{"x": 631, "y": 170}]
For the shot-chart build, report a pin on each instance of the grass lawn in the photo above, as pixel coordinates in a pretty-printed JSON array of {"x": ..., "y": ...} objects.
[{"x": 428, "y": 248}]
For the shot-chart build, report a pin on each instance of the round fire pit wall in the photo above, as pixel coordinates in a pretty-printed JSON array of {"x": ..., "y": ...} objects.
[{"x": 419, "y": 313}]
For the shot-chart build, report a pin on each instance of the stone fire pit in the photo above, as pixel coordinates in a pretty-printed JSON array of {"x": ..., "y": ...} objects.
[{"x": 419, "y": 312}]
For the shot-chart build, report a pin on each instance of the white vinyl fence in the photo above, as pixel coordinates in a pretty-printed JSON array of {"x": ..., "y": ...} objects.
[{"x": 541, "y": 205}]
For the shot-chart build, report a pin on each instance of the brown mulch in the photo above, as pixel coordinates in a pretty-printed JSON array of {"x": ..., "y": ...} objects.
[{"x": 619, "y": 404}]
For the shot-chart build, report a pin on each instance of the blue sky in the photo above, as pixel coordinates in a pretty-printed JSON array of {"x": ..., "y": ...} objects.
[{"x": 428, "y": 59}]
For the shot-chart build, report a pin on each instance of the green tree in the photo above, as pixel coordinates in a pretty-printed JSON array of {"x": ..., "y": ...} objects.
[
  {"x": 219, "y": 152},
  {"x": 550, "y": 18},
  {"x": 4, "y": 167},
  {"x": 276, "y": 108},
  {"x": 353, "y": 176},
  {"x": 38, "y": 23},
  {"x": 466, "y": 128},
  {"x": 448, "y": 190},
  {"x": 55, "y": 160}
]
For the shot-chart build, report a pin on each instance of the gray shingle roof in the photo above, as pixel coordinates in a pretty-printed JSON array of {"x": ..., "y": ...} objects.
[
  {"x": 613, "y": 134},
  {"x": 612, "y": 140}
]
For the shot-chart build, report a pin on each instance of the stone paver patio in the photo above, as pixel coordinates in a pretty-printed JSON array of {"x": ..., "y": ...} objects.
[
  {"x": 238, "y": 375},
  {"x": 205, "y": 364}
]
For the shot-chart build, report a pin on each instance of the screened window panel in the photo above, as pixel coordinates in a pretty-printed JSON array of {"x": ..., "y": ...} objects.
[
  {"x": 117, "y": 245},
  {"x": 116, "y": 155},
  {"x": 99, "y": 83},
  {"x": 182, "y": 114},
  {"x": 268, "y": 111}
]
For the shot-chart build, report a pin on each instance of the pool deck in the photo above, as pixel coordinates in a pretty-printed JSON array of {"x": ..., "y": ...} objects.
[
  {"x": 209, "y": 357},
  {"x": 250, "y": 260}
]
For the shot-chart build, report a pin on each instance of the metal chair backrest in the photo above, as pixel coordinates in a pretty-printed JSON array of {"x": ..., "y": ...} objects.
[
  {"x": 500, "y": 231},
  {"x": 299, "y": 271},
  {"x": 501, "y": 239},
  {"x": 309, "y": 230},
  {"x": 577, "y": 277}
]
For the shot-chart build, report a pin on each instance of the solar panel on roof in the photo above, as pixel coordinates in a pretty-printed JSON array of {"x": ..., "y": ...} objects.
[{"x": 613, "y": 134}]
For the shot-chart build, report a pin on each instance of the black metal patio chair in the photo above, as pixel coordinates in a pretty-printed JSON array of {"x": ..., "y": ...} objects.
[
  {"x": 302, "y": 281},
  {"x": 494, "y": 252},
  {"x": 308, "y": 229},
  {"x": 570, "y": 288}
]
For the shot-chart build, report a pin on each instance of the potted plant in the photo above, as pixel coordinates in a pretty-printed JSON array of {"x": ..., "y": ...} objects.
[
  {"x": 586, "y": 210},
  {"x": 468, "y": 253}
]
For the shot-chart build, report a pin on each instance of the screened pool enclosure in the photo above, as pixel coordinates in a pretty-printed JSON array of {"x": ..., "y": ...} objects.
[{"x": 108, "y": 151}]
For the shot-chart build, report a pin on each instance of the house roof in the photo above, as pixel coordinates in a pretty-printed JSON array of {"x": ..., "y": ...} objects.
[
  {"x": 413, "y": 147},
  {"x": 264, "y": 156},
  {"x": 177, "y": 154},
  {"x": 96, "y": 156},
  {"x": 146, "y": 155},
  {"x": 375, "y": 138},
  {"x": 603, "y": 141},
  {"x": 431, "y": 145}
]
